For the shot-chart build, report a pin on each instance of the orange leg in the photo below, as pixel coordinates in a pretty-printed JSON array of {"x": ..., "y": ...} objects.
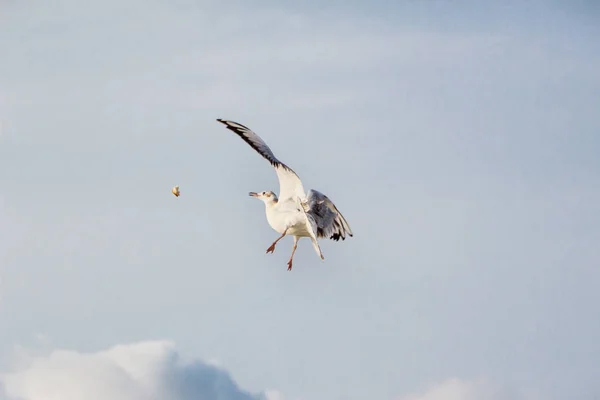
[
  {"x": 293, "y": 251},
  {"x": 271, "y": 248}
]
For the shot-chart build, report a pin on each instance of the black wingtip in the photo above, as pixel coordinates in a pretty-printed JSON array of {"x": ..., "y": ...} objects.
[{"x": 234, "y": 126}]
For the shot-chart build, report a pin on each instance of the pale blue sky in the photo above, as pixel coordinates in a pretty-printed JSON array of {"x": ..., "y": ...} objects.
[{"x": 461, "y": 142}]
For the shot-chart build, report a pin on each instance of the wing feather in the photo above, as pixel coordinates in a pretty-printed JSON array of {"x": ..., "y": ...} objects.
[
  {"x": 330, "y": 222},
  {"x": 290, "y": 185}
]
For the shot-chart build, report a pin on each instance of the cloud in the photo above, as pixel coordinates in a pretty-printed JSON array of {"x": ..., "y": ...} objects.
[
  {"x": 456, "y": 389},
  {"x": 151, "y": 370},
  {"x": 476, "y": 389}
]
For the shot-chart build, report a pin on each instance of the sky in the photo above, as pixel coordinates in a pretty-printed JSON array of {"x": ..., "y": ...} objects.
[{"x": 460, "y": 141}]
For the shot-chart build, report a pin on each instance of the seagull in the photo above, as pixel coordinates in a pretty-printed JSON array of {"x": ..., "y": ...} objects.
[{"x": 293, "y": 212}]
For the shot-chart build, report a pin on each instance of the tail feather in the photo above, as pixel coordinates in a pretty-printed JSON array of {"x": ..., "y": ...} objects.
[
  {"x": 313, "y": 230},
  {"x": 317, "y": 248}
]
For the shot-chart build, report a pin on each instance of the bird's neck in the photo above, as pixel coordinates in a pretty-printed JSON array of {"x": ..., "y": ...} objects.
[{"x": 270, "y": 204}]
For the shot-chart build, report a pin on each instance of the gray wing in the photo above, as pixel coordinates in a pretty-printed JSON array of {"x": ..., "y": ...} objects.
[
  {"x": 290, "y": 185},
  {"x": 330, "y": 222}
]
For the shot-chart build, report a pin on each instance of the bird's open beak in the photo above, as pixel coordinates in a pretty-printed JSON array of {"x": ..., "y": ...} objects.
[{"x": 253, "y": 194}]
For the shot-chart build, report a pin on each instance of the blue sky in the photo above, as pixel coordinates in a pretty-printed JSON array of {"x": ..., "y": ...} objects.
[{"x": 461, "y": 143}]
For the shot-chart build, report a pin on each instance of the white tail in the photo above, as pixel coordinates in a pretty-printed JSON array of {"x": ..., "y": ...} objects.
[
  {"x": 317, "y": 248},
  {"x": 313, "y": 231}
]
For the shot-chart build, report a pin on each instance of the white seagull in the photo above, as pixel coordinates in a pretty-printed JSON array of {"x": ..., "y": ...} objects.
[{"x": 293, "y": 212}]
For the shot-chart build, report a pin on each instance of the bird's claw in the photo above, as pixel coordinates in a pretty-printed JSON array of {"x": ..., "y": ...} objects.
[
  {"x": 289, "y": 265},
  {"x": 271, "y": 249}
]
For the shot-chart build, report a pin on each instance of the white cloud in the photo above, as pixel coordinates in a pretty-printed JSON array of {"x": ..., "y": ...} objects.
[
  {"x": 151, "y": 370},
  {"x": 477, "y": 389},
  {"x": 273, "y": 395},
  {"x": 456, "y": 389},
  {"x": 154, "y": 370}
]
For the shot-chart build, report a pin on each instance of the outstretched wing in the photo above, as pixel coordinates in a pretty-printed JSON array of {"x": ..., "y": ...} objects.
[
  {"x": 330, "y": 222},
  {"x": 290, "y": 186}
]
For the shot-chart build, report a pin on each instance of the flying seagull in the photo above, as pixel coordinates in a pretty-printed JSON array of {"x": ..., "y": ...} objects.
[{"x": 294, "y": 212}]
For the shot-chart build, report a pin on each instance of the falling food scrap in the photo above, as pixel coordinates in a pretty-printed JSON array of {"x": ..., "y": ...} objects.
[{"x": 175, "y": 190}]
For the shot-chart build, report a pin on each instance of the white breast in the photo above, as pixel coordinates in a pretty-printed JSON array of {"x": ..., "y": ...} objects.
[
  {"x": 276, "y": 219},
  {"x": 287, "y": 215}
]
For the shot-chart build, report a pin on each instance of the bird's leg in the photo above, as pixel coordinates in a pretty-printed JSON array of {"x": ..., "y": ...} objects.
[
  {"x": 293, "y": 251},
  {"x": 271, "y": 248}
]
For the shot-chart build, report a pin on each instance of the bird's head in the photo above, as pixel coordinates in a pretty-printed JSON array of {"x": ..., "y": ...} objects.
[{"x": 267, "y": 197}]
